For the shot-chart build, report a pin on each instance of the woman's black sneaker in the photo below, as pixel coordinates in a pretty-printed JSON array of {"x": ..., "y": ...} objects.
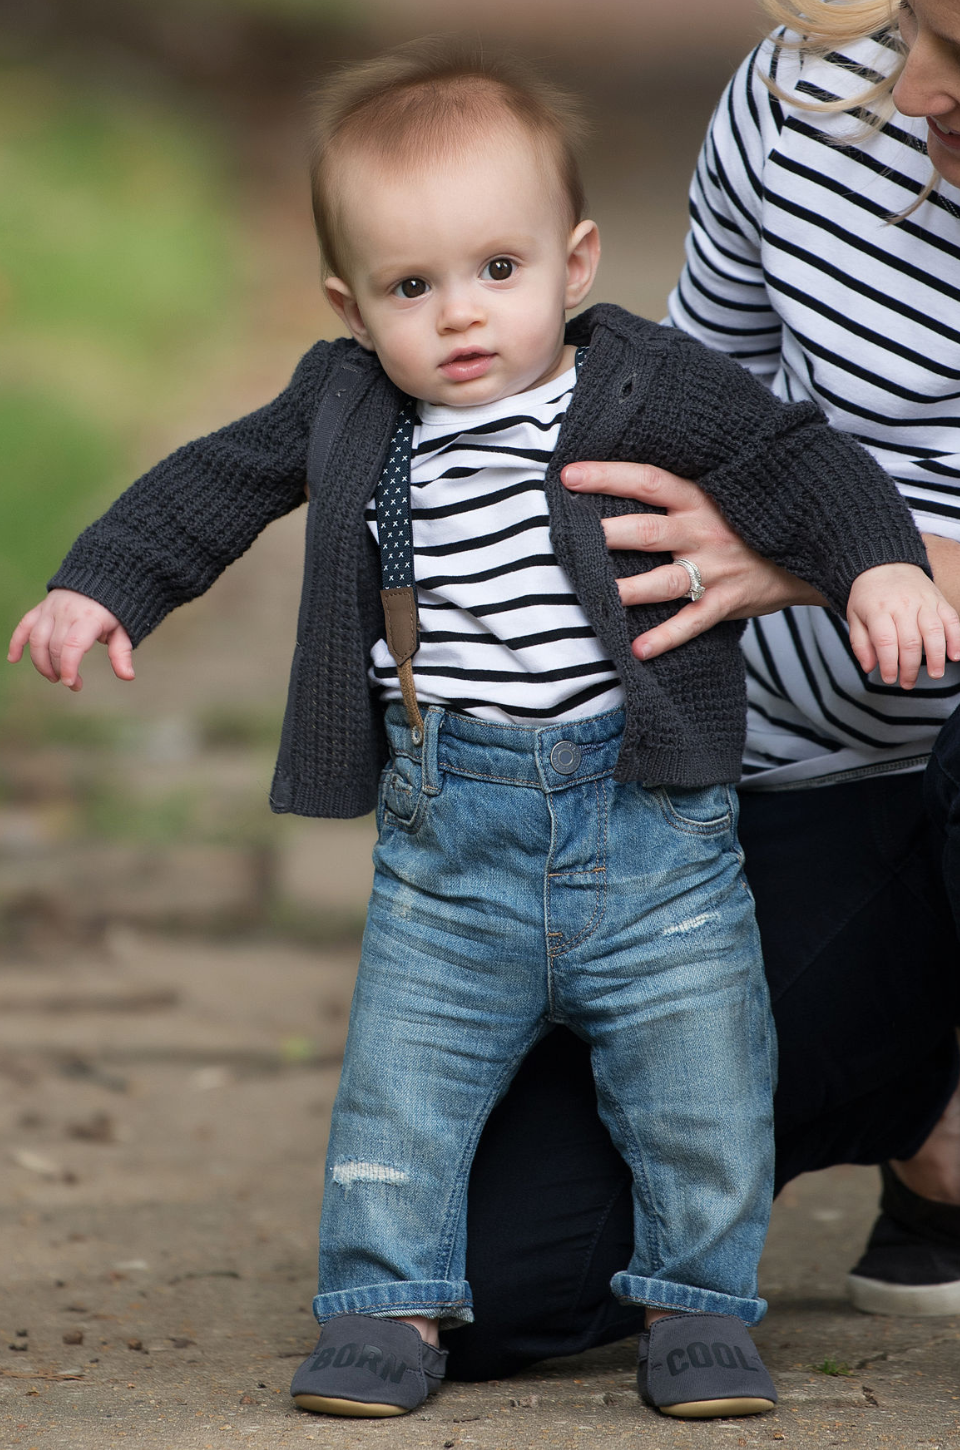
[{"x": 911, "y": 1264}]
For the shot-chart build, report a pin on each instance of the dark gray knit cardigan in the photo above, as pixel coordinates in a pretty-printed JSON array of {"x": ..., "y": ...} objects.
[{"x": 796, "y": 491}]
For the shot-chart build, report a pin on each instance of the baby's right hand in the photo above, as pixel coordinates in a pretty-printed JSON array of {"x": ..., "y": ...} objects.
[{"x": 62, "y": 629}]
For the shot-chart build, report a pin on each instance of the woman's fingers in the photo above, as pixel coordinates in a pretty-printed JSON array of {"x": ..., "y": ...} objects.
[
  {"x": 633, "y": 480},
  {"x": 656, "y": 532},
  {"x": 657, "y": 586},
  {"x": 686, "y": 624}
]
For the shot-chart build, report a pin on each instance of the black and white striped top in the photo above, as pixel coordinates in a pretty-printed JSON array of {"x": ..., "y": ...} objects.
[
  {"x": 794, "y": 269},
  {"x": 502, "y": 635}
]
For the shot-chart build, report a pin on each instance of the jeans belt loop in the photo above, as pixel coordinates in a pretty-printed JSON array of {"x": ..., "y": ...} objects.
[{"x": 430, "y": 749}]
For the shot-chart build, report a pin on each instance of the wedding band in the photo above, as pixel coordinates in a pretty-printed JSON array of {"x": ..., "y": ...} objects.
[{"x": 696, "y": 590}]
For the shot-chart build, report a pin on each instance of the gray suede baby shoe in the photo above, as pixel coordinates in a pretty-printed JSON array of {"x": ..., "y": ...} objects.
[
  {"x": 364, "y": 1366},
  {"x": 702, "y": 1366}
]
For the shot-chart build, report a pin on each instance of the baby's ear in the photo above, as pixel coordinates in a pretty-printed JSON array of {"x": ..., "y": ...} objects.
[
  {"x": 344, "y": 304},
  {"x": 583, "y": 258}
]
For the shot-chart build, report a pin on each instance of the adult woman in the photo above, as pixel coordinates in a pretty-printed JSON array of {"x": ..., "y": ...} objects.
[{"x": 798, "y": 265}]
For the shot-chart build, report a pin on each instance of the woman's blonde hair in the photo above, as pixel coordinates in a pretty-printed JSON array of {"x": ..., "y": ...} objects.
[{"x": 822, "y": 25}]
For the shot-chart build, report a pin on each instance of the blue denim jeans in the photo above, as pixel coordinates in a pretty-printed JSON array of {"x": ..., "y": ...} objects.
[{"x": 518, "y": 885}]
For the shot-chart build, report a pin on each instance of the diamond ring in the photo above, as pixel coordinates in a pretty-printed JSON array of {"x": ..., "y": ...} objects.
[{"x": 696, "y": 590}]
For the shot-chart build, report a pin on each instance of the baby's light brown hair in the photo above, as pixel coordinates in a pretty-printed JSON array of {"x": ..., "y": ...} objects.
[{"x": 430, "y": 98}]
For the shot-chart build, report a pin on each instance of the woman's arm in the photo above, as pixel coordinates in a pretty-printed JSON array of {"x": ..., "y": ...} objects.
[
  {"x": 721, "y": 298},
  {"x": 944, "y": 556}
]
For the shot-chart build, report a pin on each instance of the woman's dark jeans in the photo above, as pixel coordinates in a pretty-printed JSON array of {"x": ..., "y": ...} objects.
[{"x": 862, "y": 960}]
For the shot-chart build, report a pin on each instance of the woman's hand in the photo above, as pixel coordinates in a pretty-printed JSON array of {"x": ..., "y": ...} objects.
[
  {"x": 61, "y": 629},
  {"x": 739, "y": 584}
]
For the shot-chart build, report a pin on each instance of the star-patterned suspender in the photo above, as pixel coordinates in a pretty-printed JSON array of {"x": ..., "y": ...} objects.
[{"x": 399, "y": 591}]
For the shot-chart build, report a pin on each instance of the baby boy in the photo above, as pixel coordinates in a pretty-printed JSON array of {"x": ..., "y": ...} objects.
[{"x": 557, "y": 833}]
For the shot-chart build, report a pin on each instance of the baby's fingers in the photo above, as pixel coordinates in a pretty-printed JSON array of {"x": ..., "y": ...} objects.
[
  {"x": 912, "y": 636},
  {"x": 21, "y": 634},
  {"x": 68, "y": 648},
  {"x": 933, "y": 632},
  {"x": 40, "y": 636},
  {"x": 120, "y": 653},
  {"x": 861, "y": 645},
  {"x": 893, "y": 648},
  {"x": 951, "y": 626}
]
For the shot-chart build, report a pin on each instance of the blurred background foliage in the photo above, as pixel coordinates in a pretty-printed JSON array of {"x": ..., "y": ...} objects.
[{"x": 116, "y": 255}]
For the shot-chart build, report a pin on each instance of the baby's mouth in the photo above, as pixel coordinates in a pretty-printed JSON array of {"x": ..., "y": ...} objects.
[{"x": 466, "y": 363}]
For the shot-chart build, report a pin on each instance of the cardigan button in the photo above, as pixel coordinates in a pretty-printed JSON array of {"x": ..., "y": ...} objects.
[{"x": 565, "y": 757}]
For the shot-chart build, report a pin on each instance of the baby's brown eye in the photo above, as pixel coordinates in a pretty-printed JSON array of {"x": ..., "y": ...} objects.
[
  {"x": 500, "y": 270},
  {"x": 412, "y": 287}
]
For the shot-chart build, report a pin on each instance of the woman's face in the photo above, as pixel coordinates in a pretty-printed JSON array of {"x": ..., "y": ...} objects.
[{"x": 930, "y": 83}]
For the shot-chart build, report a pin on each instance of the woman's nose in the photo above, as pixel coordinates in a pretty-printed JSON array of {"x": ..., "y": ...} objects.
[{"x": 929, "y": 84}]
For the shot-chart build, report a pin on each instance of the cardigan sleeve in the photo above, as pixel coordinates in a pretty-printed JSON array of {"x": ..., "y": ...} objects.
[
  {"x": 796, "y": 490},
  {"x": 175, "y": 530}
]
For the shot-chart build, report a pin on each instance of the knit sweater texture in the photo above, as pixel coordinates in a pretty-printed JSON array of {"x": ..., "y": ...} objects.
[{"x": 797, "y": 492}]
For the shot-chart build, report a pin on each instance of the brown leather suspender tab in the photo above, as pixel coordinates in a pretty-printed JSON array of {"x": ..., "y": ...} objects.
[{"x": 400, "y": 617}]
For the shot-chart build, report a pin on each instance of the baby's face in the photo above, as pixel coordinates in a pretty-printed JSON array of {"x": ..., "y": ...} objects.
[{"x": 460, "y": 274}]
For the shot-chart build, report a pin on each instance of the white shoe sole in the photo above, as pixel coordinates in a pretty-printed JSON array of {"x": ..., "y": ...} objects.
[{"x": 876, "y": 1296}]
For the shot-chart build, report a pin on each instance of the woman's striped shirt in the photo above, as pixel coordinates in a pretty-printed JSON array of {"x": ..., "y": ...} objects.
[
  {"x": 502, "y": 635},
  {"x": 794, "y": 268}
]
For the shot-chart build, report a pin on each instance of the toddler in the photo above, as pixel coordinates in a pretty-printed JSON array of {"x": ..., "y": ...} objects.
[{"x": 557, "y": 828}]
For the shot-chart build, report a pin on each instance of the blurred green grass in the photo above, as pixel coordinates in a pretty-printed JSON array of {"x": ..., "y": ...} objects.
[{"x": 117, "y": 254}]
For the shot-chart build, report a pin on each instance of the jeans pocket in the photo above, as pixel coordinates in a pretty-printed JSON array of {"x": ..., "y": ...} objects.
[
  {"x": 401, "y": 793},
  {"x": 703, "y": 811}
]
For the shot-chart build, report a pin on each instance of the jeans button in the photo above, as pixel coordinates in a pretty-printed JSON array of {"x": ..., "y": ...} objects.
[{"x": 565, "y": 757}]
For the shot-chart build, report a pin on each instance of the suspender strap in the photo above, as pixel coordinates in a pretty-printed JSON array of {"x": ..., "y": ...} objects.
[{"x": 399, "y": 589}]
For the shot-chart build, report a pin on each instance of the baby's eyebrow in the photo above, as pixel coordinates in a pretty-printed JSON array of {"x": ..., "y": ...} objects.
[{"x": 381, "y": 276}]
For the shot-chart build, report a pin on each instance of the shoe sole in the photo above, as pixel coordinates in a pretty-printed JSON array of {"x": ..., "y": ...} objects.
[
  {"x": 877, "y": 1296},
  {"x": 356, "y": 1409},
  {"x": 716, "y": 1409}
]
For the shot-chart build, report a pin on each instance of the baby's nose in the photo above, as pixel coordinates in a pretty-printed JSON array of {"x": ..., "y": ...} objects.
[{"x": 461, "y": 310}]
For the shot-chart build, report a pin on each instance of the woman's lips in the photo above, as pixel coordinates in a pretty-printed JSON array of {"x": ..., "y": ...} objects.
[
  {"x": 949, "y": 139},
  {"x": 466, "y": 365}
]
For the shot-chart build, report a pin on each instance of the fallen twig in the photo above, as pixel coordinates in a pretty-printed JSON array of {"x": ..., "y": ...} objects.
[{"x": 37, "y": 1374}]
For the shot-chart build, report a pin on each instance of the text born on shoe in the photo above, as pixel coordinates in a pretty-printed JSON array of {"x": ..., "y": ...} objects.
[{"x": 367, "y": 1357}]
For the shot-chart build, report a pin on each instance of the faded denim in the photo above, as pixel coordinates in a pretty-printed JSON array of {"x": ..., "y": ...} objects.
[{"x": 508, "y": 897}]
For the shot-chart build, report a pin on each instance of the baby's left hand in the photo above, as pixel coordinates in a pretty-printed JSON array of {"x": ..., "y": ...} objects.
[{"x": 896, "y": 615}]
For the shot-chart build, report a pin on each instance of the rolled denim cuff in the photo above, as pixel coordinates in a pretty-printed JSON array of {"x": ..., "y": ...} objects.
[
  {"x": 661, "y": 1294},
  {"x": 448, "y": 1300}
]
